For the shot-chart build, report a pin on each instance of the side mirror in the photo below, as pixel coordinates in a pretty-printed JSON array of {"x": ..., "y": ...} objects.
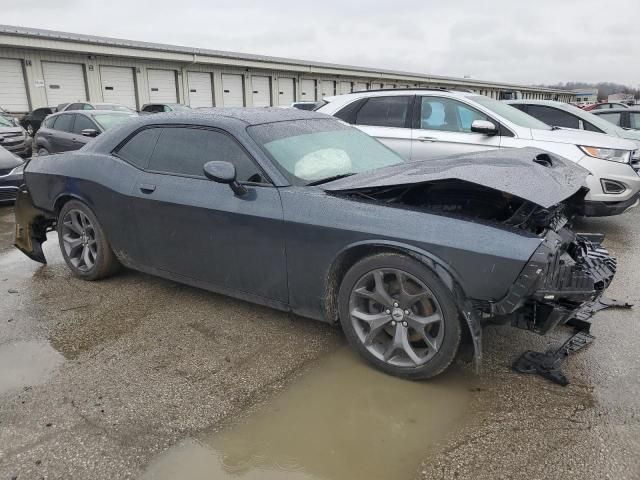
[
  {"x": 485, "y": 127},
  {"x": 90, "y": 132},
  {"x": 224, "y": 172}
]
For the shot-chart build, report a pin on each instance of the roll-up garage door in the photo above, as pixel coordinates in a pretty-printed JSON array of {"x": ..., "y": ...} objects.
[
  {"x": 232, "y": 91},
  {"x": 389, "y": 85},
  {"x": 345, "y": 87},
  {"x": 377, "y": 86},
  {"x": 64, "y": 82},
  {"x": 13, "y": 93},
  {"x": 359, "y": 87},
  {"x": 308, "y": 90},
  {"x": 200, "y": 91},
  {"x": 118, "y": 85},
  {"x": 261, "y": 91},
  {"x": 327, "y": 88},
  {"x": 162, "y": 86},
  {"x": 286, "y": 91}
]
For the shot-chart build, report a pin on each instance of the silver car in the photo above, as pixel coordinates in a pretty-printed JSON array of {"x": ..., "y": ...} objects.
[{"x": 423, "y": 124}]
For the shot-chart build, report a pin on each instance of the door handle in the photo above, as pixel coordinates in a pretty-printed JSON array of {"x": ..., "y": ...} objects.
[
  {"x": 147, "y": 188},
  {"x": 427, "y": 139}
]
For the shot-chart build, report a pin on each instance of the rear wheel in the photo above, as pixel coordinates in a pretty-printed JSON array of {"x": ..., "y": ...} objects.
[
  {"x": 84, "y": 246},
  {"x": 399, "y": 316}
]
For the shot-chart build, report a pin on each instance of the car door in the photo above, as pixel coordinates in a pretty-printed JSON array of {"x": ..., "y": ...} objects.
[
  {"x": 196, "y": 228},
  {"x": 81, "y": 123},
  {"x": 386, "y": 118},
  {"x": 61, "y": 137},
  {"x": 442, "y": 126}
]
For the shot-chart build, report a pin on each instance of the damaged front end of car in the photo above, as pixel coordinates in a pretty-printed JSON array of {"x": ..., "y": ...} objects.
[{"x": 528, "y": 191}]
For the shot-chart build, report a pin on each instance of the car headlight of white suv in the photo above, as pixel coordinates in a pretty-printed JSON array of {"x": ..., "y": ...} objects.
[{"x": 611, "y": 154}]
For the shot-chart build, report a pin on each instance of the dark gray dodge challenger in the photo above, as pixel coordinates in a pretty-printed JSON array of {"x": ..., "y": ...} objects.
[{"x": 303, "y": 213}]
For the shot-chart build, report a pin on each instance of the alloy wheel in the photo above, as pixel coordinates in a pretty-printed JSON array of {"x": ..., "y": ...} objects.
[
  {"x": 79, "y": 240},
  {"x": 396, "y": 317}
]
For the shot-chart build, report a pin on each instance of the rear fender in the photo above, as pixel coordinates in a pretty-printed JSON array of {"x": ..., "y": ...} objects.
[{"x": 31, "y": 226}]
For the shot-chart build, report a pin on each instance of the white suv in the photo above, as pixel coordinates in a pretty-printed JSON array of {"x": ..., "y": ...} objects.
[{"x": 426, "y": 124}]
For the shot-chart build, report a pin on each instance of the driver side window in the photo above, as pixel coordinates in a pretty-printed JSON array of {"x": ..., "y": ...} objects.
[
  {"x": 448, "y": 115},
  {"x": 184, "y": 151}
]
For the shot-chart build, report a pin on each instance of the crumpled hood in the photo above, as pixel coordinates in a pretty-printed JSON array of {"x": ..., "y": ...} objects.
[
  {"x": 8, "y": 160},
  {"x": 582, "y": 137},
  {"x": 522, "y": 172}
]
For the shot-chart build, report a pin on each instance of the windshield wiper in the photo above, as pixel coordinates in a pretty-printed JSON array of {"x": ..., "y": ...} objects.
[{"x": 329, "y": 179}]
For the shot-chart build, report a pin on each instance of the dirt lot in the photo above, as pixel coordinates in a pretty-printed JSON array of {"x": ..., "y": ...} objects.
[{"x": 140, "y": 377}]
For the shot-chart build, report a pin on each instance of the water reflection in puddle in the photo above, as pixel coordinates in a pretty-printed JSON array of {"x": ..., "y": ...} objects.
[
  {"x": 26, "y": 363},
  {"x": 340, "y": 420}
]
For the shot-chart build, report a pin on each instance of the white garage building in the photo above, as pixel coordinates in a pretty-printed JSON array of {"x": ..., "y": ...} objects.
[{"x": 43, "y": 67}]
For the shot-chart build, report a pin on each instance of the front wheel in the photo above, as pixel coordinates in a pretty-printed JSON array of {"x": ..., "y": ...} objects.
[
  {"x": 399, "y": 316},
  {"x": 84, "y": 245}
]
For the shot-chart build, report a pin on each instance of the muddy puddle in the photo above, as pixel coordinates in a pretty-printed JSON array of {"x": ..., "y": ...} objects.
[
  {"x": 339, "y": 420},
  {"x": 26, "y": 363}
]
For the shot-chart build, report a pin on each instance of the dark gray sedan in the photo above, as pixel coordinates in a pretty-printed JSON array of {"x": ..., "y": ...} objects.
[
  {"x": 71, "y": 130},
  {"x": 301, "y": 212}
]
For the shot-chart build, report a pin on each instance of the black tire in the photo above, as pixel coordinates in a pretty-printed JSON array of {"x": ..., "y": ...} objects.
[
  {"x": 436, "y": 293},
  {"x": 102, "y": 261}
]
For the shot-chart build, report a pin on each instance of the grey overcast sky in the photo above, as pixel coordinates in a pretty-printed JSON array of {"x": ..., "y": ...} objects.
[{"x": 527, "y": 42}]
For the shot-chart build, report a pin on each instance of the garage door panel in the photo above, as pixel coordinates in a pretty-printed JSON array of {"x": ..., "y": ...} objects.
[
  {"x": 200, "y": 89},
  {"x": 344, "y": 88},
  {"x": 118, "y": 85},
  {"x": 261, "y": 91},
  {"x": 232, "y": 90},
  {"x": 307, "y": 90},
  {"x": 64, "y": 82},
  {"x": 162, "y": 86},
  {"x": 359, "y": 87},
  {"x": 13, "y": 92},
  {"x": 327, "y": 88},
  {"x": 286, "y": 91}
]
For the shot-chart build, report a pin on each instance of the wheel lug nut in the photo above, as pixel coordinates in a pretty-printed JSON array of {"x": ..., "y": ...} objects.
[
  {"x": 404, "y": 324},
  {"x": 393, "y": 323},
  {"x": 395, "y": 304},
  {"x": 407, "y": 312}
]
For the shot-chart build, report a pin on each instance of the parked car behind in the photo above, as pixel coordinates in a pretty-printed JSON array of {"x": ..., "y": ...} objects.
[
  {"x": 304, "y": 105},
  {"x": 14, "y": 138},
  {"x": 96, "y": 106},
  {"x": 424, "y": 124},
  {"x": 11, "y": 168},
  {"x": 406, "y": 256},
  {"x": 31, "y": 121},
  {"x": 604, "y": 106},
  {"x": 164, "y": 107},
  {"x": 9, "y": 116},
  {"x": 625, "y": 118},
  {"x": 72, "y": 130},
  {"x": 558, "y": 114}
]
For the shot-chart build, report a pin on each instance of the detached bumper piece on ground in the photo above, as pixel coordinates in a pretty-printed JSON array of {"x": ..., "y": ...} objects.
[{"x": 593, "y": 271}]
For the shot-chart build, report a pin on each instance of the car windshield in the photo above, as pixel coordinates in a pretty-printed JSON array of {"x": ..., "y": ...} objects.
[
  {"x": 108, "y": 120},
  {"x": 5, "y": 122},
  {"x": 509, "y": 113},
  {"x": 313, "y": 151}
]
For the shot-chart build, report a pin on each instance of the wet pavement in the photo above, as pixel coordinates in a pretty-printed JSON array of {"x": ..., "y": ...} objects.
[{"x": 138, "y": 377}]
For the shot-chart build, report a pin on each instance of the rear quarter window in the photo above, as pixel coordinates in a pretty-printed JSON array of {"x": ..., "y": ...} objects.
[{"x": 138, "y": 148}]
